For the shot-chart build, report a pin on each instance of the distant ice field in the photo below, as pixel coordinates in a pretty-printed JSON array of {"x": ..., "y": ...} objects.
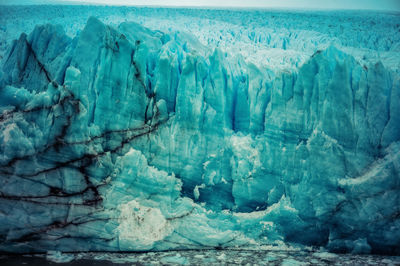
[{"x": 275, "y": 39}]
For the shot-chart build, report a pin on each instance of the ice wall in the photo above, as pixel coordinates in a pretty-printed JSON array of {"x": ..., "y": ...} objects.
[{"x": 131, "y": 139}]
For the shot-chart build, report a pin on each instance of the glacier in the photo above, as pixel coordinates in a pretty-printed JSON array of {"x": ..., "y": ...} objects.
[{"x": 127, "y": 138}]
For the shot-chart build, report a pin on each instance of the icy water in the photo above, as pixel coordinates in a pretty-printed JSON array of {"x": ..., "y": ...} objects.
[{"x": 200, "y": 257}]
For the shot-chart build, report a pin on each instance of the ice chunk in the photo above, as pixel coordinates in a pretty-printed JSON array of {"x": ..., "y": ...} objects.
[
  {"x": 59, "y": 257},
  {"x": 140, "y": 227}
]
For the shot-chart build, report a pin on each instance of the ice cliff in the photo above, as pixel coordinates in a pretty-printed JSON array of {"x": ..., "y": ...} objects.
[{"x": 124, "y": 139}]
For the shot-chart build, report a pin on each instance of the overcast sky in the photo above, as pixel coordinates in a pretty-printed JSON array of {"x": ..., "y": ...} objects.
[{"x": 325, "y": 4}]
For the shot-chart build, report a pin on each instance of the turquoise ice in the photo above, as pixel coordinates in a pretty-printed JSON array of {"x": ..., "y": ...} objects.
[{"x": 125, "y": 138}]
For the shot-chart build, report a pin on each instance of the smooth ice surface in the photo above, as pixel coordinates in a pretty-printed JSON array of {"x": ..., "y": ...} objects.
[{"x": 125, "y": 138}]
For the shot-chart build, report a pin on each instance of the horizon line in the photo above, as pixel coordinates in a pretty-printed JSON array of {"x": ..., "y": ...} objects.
[{"x": 73, "y": 3}]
